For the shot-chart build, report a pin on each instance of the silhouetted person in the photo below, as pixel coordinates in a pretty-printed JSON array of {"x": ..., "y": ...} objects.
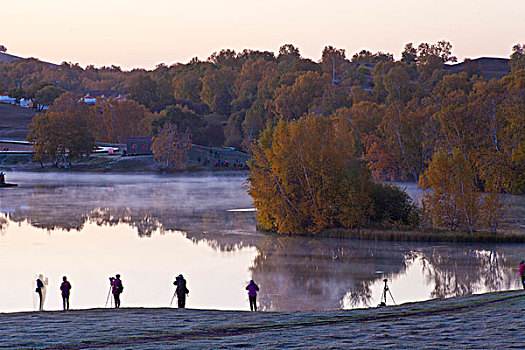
[
  {"x": 522, "y": 273},
  {"x": 181, "y": 291},
  {"x": 65, "y": 287},
  {"x": 39, "y": 291},
  {"x": 2, "y": 178},
  {"x": 252, "y": 289},
  {"x": 116, "y": 289}
]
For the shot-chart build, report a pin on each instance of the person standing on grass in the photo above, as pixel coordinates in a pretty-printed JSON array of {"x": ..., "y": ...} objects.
[
  {"x": 252, "y": 289},
  {"x": 116, "y": 290},
  {"x": 65, "y": 287},
  {"x": 40, "y": 290},
  {"x": 181, "y": 291},
  {"x": 522, "y": 273}
]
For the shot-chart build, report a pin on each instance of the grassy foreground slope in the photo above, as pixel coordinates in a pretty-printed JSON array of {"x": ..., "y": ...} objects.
[{"x": 481, "y": 321}]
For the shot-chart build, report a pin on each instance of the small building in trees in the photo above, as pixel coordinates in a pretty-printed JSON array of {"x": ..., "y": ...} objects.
[
  {"x": 139, "y": 145},
  {"x": 90, "y": 96}
]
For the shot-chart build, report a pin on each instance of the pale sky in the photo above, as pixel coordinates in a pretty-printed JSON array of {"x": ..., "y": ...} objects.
[{"x": 138, "y": 33}]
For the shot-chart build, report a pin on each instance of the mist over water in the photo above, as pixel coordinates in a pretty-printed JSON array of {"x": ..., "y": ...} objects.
[{"x": 150, "y": 228}]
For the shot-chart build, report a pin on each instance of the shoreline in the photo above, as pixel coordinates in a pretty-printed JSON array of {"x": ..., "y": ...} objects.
[
  {"x": 412, "y": 235},
  {"x": 492, "y": 320}
]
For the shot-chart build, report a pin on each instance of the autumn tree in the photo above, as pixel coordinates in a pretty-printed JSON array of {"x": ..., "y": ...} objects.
[
  {"x": 187, "y": 85},
  {"x": 517, "y": 58},
  {"x": 217, "y": 84},
  {"x": 63, "y": 130},
  {"x": 409, "y": 54},
  {"x": 365, "y": 56},
  {"x": 304, "y": 96},
  {"x": 332, "y": 60},
  {"x": 171, "y": 146},
  {"x": 306, "y": 176},
  {"x": 297, "y": 185},
  {"x": 114, "y": 120},
  {"x": 155, "y": 94},
  {"x": 455, "y": 200}
]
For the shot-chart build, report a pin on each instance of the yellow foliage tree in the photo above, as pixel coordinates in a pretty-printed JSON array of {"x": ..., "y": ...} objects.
[
  {"x": 454, "y": 201},
  {"x": 172, "y": 147},
  {"x": 305, "y": 175}
]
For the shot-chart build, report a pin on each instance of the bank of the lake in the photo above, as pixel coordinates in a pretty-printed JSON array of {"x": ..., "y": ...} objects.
[
  {"x": 485, "y": 321},
  {"x": 426, "y": 235},
  {"x": 201, "y": 158}
]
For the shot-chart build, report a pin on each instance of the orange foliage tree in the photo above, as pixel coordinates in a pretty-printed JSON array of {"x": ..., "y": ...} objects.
[{"x": 62, "y": 130}]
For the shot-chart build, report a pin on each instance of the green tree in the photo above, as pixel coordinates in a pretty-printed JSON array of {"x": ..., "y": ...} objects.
[
  {"x": 181, "y": 117},
  {"x": 47, "y": 95},
  {"x": 17, "y": 94}
]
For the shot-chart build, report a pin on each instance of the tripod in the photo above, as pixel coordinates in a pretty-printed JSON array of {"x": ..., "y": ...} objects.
[
  {"x": 109, "y": 299},
  {"x": 173, "y": 297},
  {"x": 383, "y": 296}
]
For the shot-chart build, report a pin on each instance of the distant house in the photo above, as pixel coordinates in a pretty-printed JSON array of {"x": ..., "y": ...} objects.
[
  {"x": 90, "y": 96},
  {"x": 7, "y": 99},
  {"x": 138, "y": 145},
  {"x": 90, "y": 100}
]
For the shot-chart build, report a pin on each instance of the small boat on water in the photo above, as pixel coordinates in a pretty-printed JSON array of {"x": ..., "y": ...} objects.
[{"x": 5, "y": 184}]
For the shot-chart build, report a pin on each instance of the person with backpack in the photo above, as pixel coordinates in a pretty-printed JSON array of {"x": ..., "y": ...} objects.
[
  {"x": 181, "y": 291},
  {"x": 522, "y": 273},
  {"x": 116, "y": 289},
  {"x": 252, "y": 289},
  {"x": 65, "y": 287}
]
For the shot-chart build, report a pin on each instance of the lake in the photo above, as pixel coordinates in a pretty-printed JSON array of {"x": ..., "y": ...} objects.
[{"x": 151, "y": 228}]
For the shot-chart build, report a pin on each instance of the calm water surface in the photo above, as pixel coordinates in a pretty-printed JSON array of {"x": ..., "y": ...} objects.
[{"x": 150, "y": 228}]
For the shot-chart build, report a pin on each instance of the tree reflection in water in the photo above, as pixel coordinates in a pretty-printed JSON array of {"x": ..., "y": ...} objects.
[
  {"x": 463, "y": 269},
  {"x": 300, "y": 273}
]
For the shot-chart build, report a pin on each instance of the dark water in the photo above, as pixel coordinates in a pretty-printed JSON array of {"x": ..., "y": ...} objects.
[{"x": 150, "y": 228}]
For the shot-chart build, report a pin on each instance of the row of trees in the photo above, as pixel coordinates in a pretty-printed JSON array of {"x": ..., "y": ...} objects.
[
  {"x": 401, "y": 111},
  {"x": 71, "y": 127},
  {"x": 306, "y": 175}
]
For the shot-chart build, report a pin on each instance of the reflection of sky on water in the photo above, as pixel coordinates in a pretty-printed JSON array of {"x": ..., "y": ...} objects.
[{"x": 150, "y": 228}]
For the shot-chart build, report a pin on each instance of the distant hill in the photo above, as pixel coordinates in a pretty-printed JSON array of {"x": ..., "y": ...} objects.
[
  {"x": 488, "y": 67},
  {"x": 7, "y": 58}
]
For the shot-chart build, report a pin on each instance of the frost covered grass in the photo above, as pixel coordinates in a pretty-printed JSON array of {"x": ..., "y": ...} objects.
[{"x": 479, "y": 321}]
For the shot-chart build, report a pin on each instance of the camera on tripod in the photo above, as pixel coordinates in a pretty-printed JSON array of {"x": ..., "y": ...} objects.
[{"x": 383, "y": 295}]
